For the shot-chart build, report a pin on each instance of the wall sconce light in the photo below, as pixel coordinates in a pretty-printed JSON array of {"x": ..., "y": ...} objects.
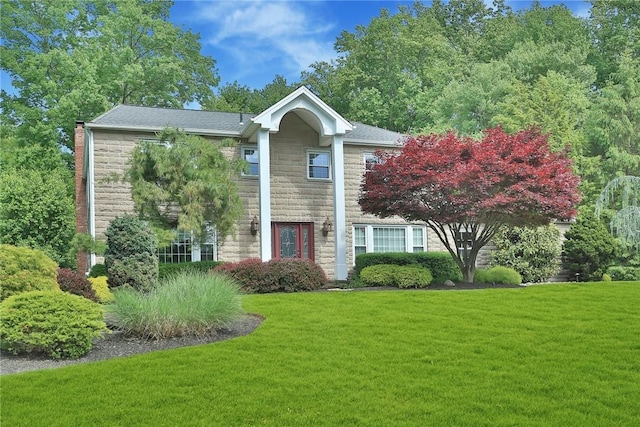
[
  {"x": 255, "y": 225},
  {"x": 327, "y": 226}
]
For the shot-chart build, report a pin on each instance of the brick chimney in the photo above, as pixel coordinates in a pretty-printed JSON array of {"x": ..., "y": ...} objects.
[{"x": 81, "y": 194}]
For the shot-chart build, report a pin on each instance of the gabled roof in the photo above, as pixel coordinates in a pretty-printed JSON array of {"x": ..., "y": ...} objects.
[{"x": 236, "y": 125}]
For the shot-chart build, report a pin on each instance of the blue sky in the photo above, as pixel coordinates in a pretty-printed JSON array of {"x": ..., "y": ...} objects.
[{"x": 254, "y": 40}]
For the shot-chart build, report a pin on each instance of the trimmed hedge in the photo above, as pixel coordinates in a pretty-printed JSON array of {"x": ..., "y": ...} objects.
[
  {"x": 23, "y": 269},
  {"x": 169, "y": 269},
  {"x": 401, "y": 276},
  {"x": 498, "y": 274},
  {"x": 441, "y": 265},
  {"x": 77, "y": 284},
  {"x": 58, "y": 324},
  {"x": 277, "y": 275}
]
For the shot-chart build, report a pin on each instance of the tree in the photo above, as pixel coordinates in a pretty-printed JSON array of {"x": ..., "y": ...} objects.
[
  {"x": 626, "y": 220},
  {"x": 466, "y": 190},
  {"x": 36, "y": 210},
  {"x": 186, "y": 179},
  {"x": 75, "y": 59}
]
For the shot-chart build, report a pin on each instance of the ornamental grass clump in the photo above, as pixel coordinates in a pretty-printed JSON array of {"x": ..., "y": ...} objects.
[{"x": 189, "y": 303}]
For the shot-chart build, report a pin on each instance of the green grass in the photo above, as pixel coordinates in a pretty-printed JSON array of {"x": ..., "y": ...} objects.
[
  {"x": 553, "y": 355},
  {"x": 187, "y": 303}
]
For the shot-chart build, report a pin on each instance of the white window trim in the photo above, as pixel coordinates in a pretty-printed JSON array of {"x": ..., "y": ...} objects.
[
  {"x": 369, "y": 236},
  {"x": 242, "y": 150},
  {"x": 328, "y": 153},
  {"x": 367, "y": 156},
  {"x": 196, "y": 252}
]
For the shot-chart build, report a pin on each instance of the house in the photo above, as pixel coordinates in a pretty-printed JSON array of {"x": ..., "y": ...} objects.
[{"x": 300, "y": 194}]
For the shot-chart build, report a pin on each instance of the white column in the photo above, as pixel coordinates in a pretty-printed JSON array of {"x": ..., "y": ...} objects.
[
  {"x": 264, "y": 174},
  {"x": 339, "y": 209}
]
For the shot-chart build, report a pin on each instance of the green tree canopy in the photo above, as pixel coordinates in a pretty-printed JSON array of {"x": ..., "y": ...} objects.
[{"x": 71, "y": 59}]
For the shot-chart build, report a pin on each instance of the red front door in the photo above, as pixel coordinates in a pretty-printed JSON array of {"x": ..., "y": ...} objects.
[{"x": 293, "y": 240}]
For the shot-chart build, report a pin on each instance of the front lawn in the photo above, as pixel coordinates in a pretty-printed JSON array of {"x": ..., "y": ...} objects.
[{"x": 552, "y": 355}]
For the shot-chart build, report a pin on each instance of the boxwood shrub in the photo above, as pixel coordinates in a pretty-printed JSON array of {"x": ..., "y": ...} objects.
[
  {"x": 54, "y": 323},
  {"x": 441, "y": 265},
  {"x": 498, "y": 274},
  {"x": 402, "y": 276},
  {"x": 23, "y": 269},
  {"x": 284, "y": 275}
]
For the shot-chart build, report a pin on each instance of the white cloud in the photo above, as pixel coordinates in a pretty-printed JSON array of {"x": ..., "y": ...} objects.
[{"x": 275, "y": 35}]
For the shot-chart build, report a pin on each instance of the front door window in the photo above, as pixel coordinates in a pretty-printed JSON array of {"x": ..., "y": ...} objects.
[{"x": 293, "y": 240}]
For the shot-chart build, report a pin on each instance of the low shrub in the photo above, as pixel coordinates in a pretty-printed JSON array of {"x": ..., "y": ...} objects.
[
  {"x": 100, "y": 287},
  {"x": 296, "y": 275},
  {"x": 402, "y": 276},
  {"x": 441, "y": 265},
  {"x": 378, "y": 275},
  {"x": 498, "y": 274},
  {"x": 57, "y": 324},
  {"x": 167, "y": 269},
  {"x": 619, "y": 273},
  {"x": 188, "y": 303},
  {"x": 286, "y": 275},
  {"x": 74, "y": 283},
  {"x": 413, "y": 277},
  {"x": 98, "y": 270},
  {"x": 23, "y": 269}
]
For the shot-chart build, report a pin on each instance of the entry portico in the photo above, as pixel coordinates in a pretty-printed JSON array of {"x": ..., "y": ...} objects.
[{"x": 331, "y": 128}]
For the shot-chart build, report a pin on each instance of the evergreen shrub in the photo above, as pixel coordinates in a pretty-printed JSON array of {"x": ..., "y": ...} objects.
[
  {"x": 131, "y": 254},
  {"x": 74, "y": 283},
  {"x": 589, "y": 248},
  {"x": 100, "y": 287},
  {"x": 98, "y": 270},
  {"x": 57, "y": 324},
  {"x": 23, "y": 269}
]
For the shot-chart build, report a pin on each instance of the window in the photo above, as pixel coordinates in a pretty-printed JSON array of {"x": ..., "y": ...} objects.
[
  {"x": 184, "y": 249},
  {"x": 319, "y": 165},
  {"x": 370, "y": 160},
  {"x": 464, "y": 237},
  {"x": 250, "y": 155},
  {"x": 382, "y": 238}
]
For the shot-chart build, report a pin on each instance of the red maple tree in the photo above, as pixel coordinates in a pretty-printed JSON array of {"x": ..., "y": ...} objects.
[{"x": 466, "y": 189}]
